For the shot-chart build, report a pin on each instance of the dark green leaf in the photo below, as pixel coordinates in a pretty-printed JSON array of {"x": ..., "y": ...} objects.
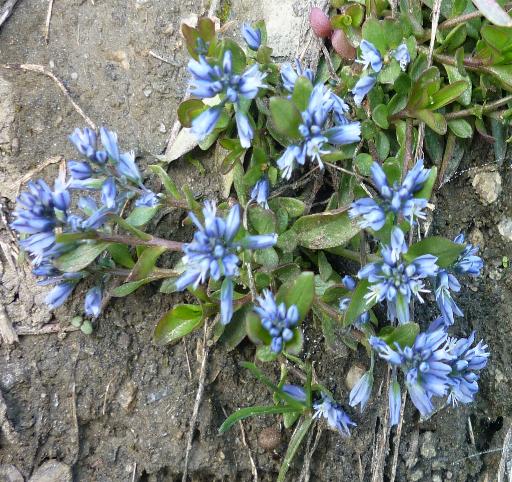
[
  {"x": 251, "y": 411},
  {"x": 324, "y": 267},
  {"x": 300, "y": 292},
  {"x": 380, "y": 116},
  {"x": 453, "y": 76},
  {"x": 404, "y": 335},
  {"x": 302, "y": 92},
  {"x": 121, "y": 255},
  {"x": 168, "y": 183},
  {"x": 358, "y": 303},
  {"x": 461, "y": 128},
  {"x": 128, "y": 288},
  {"x": 285, "y": 117},
  {"x": 324, "y": 230},
  {"x": 363, "y": 163},
  {"x": 448, "y": 94},
  {"x": 294, "y": 207},
  {"x": 434, "y": 120},
  {"x": 265, "y": 354},
  {"x": 146, "y": 262},
  {"x": 142, "y": 215},
  {"x": 80, "y": 258},
  {"x": 177, "y": 323},
  {"x": 188, "y": 110},
  {"x": 262, "y": 220},
  {"x": 445, "y": 250}
]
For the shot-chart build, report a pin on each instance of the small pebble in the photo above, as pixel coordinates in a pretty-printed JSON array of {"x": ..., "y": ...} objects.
[
  {"x": 74, "y": 76},
  {"x": 269, "y": 438},
  {"x": 353, "y": 376},
  {"x": 162, "y": 128},
  {"x": 51, "y": 63},
  {"x": 487, "y": 185},
  {"x": 147, "y": 91}
]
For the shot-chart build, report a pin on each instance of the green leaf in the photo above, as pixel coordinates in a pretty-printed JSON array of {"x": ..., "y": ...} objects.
[
  {"x": 128, "y": 288},
  {"x": 287, "y": 241},
  {"x": 243, "y": 413},
  {"x": 177, "y": 323},
  {"x": 461, "y": 128},
  {"x": 453, "y": 76},
  {"x": 265, "y": 354},
  {"x": 498, "y": 38},
  {"x": 294, "y": 207},
  {"x": 445, "y": 250},
  {"x": 434, "y": 120},
  {"x": 302, "y": 92},
  {"x": 262, "y": 220},
  {"x": 142, "y": 215},
  {"x": 383, "y": 146},
  {"x": 448, "y": 94},
  {"x": 121, "y": 255},
  {"x": 168, "y": 285},
  {"x": 404, "y": 335},
  {"x": 358, "y": 304},
  {"x": 290, "y": 418},
  {"x": 324, "y": 230},
  {"x": 285, "y": 117},
  {"x": 255, "y": 331},
  {"x": 239, "y": 60},
  {"x": 300, "y": 292},
  {"x": 363, "y": 163},
  {"x": 503, "y": 74},
  {"x": 168, "y": 183},
  {"x": 498, "y": 129},
  {"x": 293, "y": 446},
  {"x": 493, "y": 12},
  {"x": 380, "y": 116},
  {"x": 266, "y": 257},
  {"x": 188, "y": 110},
  {"x": 390, "y": 73},
  {"x": 80, "y": 258},
  {"x": 455, "y": 38},
  {"x": 234, "y": 332},
  {"x": 324, "y": 267},
  {"x": 146, "y": 262}
]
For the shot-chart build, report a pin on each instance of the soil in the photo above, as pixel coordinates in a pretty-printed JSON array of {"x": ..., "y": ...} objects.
[{"x": 115, "y": 407}]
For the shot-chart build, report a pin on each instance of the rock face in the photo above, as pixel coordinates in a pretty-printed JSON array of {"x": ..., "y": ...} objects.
[
  {"x": 505, "y": 228},
  {"x": 6, "y": 115},
  {"x": 488, "y": 186},
  {"x": 9, "y": 473},
  {"x": 52, "y": 471}
]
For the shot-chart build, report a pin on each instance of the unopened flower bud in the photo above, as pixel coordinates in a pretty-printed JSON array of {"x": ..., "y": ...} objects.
[{"x": 320, "y": 22}]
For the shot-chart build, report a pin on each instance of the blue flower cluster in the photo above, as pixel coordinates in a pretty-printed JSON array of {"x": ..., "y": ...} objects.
[
  {"x": 213, "y": 253},
  {"x": 395, "y": 281},
  {"x": 278, "y": 320},
  {"x": 318, "y": 135},
  {"x": 252, "y": 36},
  {"x": 289, "y": 75},
  {"x": 371, "y": 59},
  {"x": 42, "y": 212},
  {"x": 446, "y": 282},
  {"x": 211, "y": 80},
  {"x": 397, "y": 199},
  {"x": 434, "y": 366}
]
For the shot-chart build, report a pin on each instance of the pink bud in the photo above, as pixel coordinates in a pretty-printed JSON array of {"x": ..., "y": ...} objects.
[
  {"x": 342, "y": 46},
  {"x": 320, "y": 22}
]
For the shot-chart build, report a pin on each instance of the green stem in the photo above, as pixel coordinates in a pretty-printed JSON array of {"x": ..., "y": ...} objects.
[
  {"x": 336, "y": 315},
  {"x": 132, "y": 241},
  {"x": 490, "y": 107}
]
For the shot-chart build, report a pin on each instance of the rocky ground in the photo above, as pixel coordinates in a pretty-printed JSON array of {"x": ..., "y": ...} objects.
[{"x": 112, "y": 406}]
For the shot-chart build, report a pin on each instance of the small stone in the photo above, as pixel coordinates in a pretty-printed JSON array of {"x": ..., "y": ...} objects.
[
  {"x": 121, "y": 57},
  {"x": 476, "y": 238},
  {"x": 353, "y": 376},
  {"x": 52, "y": 471},
  {"x": 74, "y": 76},
  {"x": 269, "y": 438},
  {"x": 9, "y": 473},
  {"x": 416, "y": 475},
  {"x": 487, "y": 185},
  {"x": 505, "y": 228},
  {"x": 147, "y": 91},
  {"x": 162, "y": 128},
  {"x": 222, "y": 456},
  {"x": 437, "y": 478},
  {"x": 51, "y": 63},
  {"x": 126, "y": 395},
  {"x": 499, "y": 376},
  {"x": 427, "y": 448},
  {"x": 169, "y": 30},
  {"x": 449, "y": 475}
]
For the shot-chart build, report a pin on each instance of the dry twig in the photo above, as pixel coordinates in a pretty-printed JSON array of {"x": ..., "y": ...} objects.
[
  {"x": 6, "y": 11},
  {"x": 41, "y": 70},
  {"x": 48, "y": 20},
  {"x": 199, "y": 398}
]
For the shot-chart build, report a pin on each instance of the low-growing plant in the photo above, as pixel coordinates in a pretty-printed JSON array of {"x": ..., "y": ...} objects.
[{"x": 322, "y": 169}]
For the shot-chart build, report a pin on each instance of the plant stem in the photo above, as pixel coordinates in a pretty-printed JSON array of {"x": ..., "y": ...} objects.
[
  {"x": 490, "y": 107},
  {"x": 469, "y": 62},
  {"x": 132, "y": 241},
  {"x": 336, "y": 315}
]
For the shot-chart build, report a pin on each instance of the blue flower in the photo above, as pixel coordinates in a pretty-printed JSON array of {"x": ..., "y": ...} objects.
[
  {"x": 108, "y": 193},
  {"x": 395, "y": 400},
  {"x": 109, "y": 141},
  {"x": 148, "y": 199},
  {"x": 126, "y": 167},
  {"x": 92, "y": 305},
  {"x": 397, "y": 199},
  {"x": 259, "y": 192},
  {"x": 395, "y": 281},
  {"x": 278, "y": 320},
  {"x": 85, "y": 142},
  {"x": 294, "y": 391},
  {"x": 401, "y": 54},
  {"x": 289, "y": 75},
  {"x": 362, "y": 390},
  {"x": 211, "y": 80},
  {"x": 333, "y": 414},
  {"x": 465, "y": 365},
  {"x": 252, "y": 36},
  {"x": 445, "y": 283},
  {"x": 59, "y": 294},
  {"x": 426, "y": 365},
  {"x": 213, "y": 252},
  {"x": 370, "y": 56},
  {"x": 468, "y": 262},
  {"x": 362, "y": 87},
  {"x": 317, "y": 137},
  {"x": 79, "y": 170}
]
